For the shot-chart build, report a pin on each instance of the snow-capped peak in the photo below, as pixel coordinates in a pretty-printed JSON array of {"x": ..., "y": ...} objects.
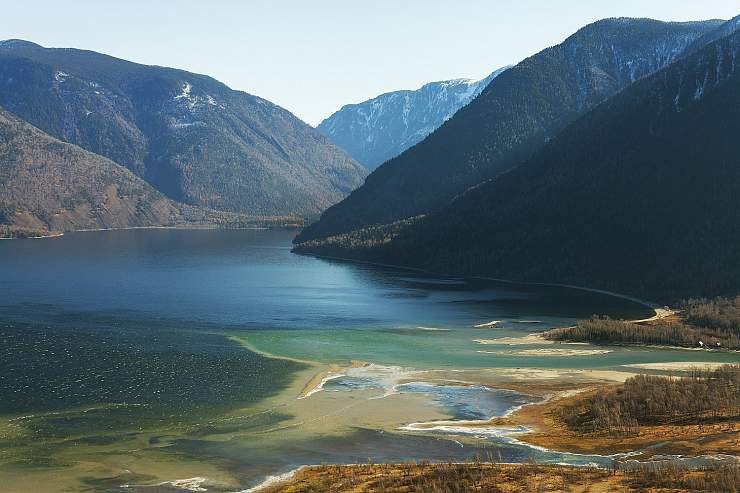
[{"x": 383, "y": 127}]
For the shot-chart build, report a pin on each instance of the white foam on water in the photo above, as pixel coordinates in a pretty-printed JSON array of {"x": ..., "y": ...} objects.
[
  {"x": 273, "y": 480},
  {"x": 384, "y": 378},
  {"x": 190, "y": 484},
  {"x": 321, "y": 384},
  {"x": 387, "y": 378},
  {"x": 476, "y": 431}
]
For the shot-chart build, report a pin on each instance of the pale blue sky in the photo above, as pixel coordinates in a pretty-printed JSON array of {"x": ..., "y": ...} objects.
[{"x": 313, "y": 56}]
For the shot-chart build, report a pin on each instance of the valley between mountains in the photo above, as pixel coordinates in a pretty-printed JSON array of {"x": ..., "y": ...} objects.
[{"x": 524, "y": 282}]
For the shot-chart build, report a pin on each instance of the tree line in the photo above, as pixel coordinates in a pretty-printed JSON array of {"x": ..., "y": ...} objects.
[
  {"x": 648, "y": 400},
  {"x": 711, "y": 323}
]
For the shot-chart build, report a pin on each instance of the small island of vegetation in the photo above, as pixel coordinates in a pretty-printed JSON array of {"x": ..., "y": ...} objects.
[{"x": 700, "y": 323}]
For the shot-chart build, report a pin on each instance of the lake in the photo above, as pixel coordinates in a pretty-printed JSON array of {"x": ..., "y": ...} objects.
[{"x": 169, "y": 360}]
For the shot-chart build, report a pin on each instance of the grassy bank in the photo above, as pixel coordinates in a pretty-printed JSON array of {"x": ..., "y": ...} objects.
[
  {"x": 695, "y": 415},
  {"x": 500, "y": 478},
  {"x": 690, "y": 416},
  {"x": 644, "y": 401}
]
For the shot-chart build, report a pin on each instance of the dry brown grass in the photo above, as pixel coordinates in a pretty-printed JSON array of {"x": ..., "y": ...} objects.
[
  {"x": 689, "y": 434},
  {"x": 498, "y": 478}
]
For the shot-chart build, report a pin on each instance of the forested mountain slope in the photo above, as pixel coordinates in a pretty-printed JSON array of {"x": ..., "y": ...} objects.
[
  {"x": 47, "y": 185},
  {"x": 514, "y": 116},
  {"x": 188, "y": 135},
  {"x": 640, "y": 195}
]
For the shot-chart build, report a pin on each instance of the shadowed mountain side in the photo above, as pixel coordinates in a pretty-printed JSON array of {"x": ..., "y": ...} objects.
[
  {"x": 639, "y": 195},
  {"x": 517, "y": 113}
]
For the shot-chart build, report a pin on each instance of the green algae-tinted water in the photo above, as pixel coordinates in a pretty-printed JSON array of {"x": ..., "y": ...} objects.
[
  {"x": 455, "y": 348},
  {"x": 121, "y": 361}
]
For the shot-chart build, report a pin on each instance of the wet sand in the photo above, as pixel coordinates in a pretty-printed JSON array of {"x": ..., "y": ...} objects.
[
  {"x": 562, "y": 352},
  {"x": 516, "y": 341},
  {"x": 316, "y": 383},
  {"x": 677, "y": 365}
]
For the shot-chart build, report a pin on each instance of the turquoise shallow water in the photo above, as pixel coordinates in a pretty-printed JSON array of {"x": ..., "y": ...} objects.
[
  {"x": 456, "y": 348},
  {"x": 123, "y": 340}
]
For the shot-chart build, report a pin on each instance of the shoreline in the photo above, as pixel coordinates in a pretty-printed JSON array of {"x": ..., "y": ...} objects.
[
  {"x": 539, "y": 337},
  {"x": 192, "y": 227},
  {"x": 501, "y": 477},
  {"x": 331, "y": 372},
  {"x": 546, "y": 431},
  {"x": 647, "y": 304},
  {"x": 287, "y": 477},
  {"x": 532, "y": 425}
]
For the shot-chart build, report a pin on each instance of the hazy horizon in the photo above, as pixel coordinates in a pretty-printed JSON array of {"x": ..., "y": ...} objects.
[{"x": 313, "y": 59}]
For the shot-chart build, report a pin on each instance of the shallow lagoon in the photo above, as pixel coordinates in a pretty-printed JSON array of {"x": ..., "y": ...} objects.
[{"x": 125, "y": 359}]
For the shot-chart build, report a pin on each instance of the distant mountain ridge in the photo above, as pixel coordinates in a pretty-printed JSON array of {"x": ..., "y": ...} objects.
[
  {"x": 639, "y": 195},
  {"x": 49, "y": 186},
  {"x": 188, "y": 135},
  {"x": 514, "y": 116},
  {"x": 383, "y": 127}
]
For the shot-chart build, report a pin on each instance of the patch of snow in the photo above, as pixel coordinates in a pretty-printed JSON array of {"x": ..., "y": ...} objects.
[
  {"x": 179, "y": 125},
  {"x": 191, "y": 484},
  {"x": 185, "y": 94},
  {"x": 60, "y": 76},
  {"x": 700, "y": 88},
  {"x": 191, "y": 101}
]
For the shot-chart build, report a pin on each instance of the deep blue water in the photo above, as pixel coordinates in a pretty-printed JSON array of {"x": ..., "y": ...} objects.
[
  {"x": 250, "y": 279},
  {"x": 116, "y": 341}
]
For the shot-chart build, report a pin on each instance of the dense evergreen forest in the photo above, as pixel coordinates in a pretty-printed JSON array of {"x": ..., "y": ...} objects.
[
  {"x": 640, "y": 195},
  {"x": 517, "y": 113}
]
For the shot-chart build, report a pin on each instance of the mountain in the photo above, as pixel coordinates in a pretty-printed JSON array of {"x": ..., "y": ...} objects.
[
  {"x": 724, "y": 29},
  {"x": 188, "y": 135},
  {"x": 639, "y": 195},
  {"x": 49, "y": 186},
  {"x": 378, "y": 129},
  {"x": 517, "y": 113}
]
